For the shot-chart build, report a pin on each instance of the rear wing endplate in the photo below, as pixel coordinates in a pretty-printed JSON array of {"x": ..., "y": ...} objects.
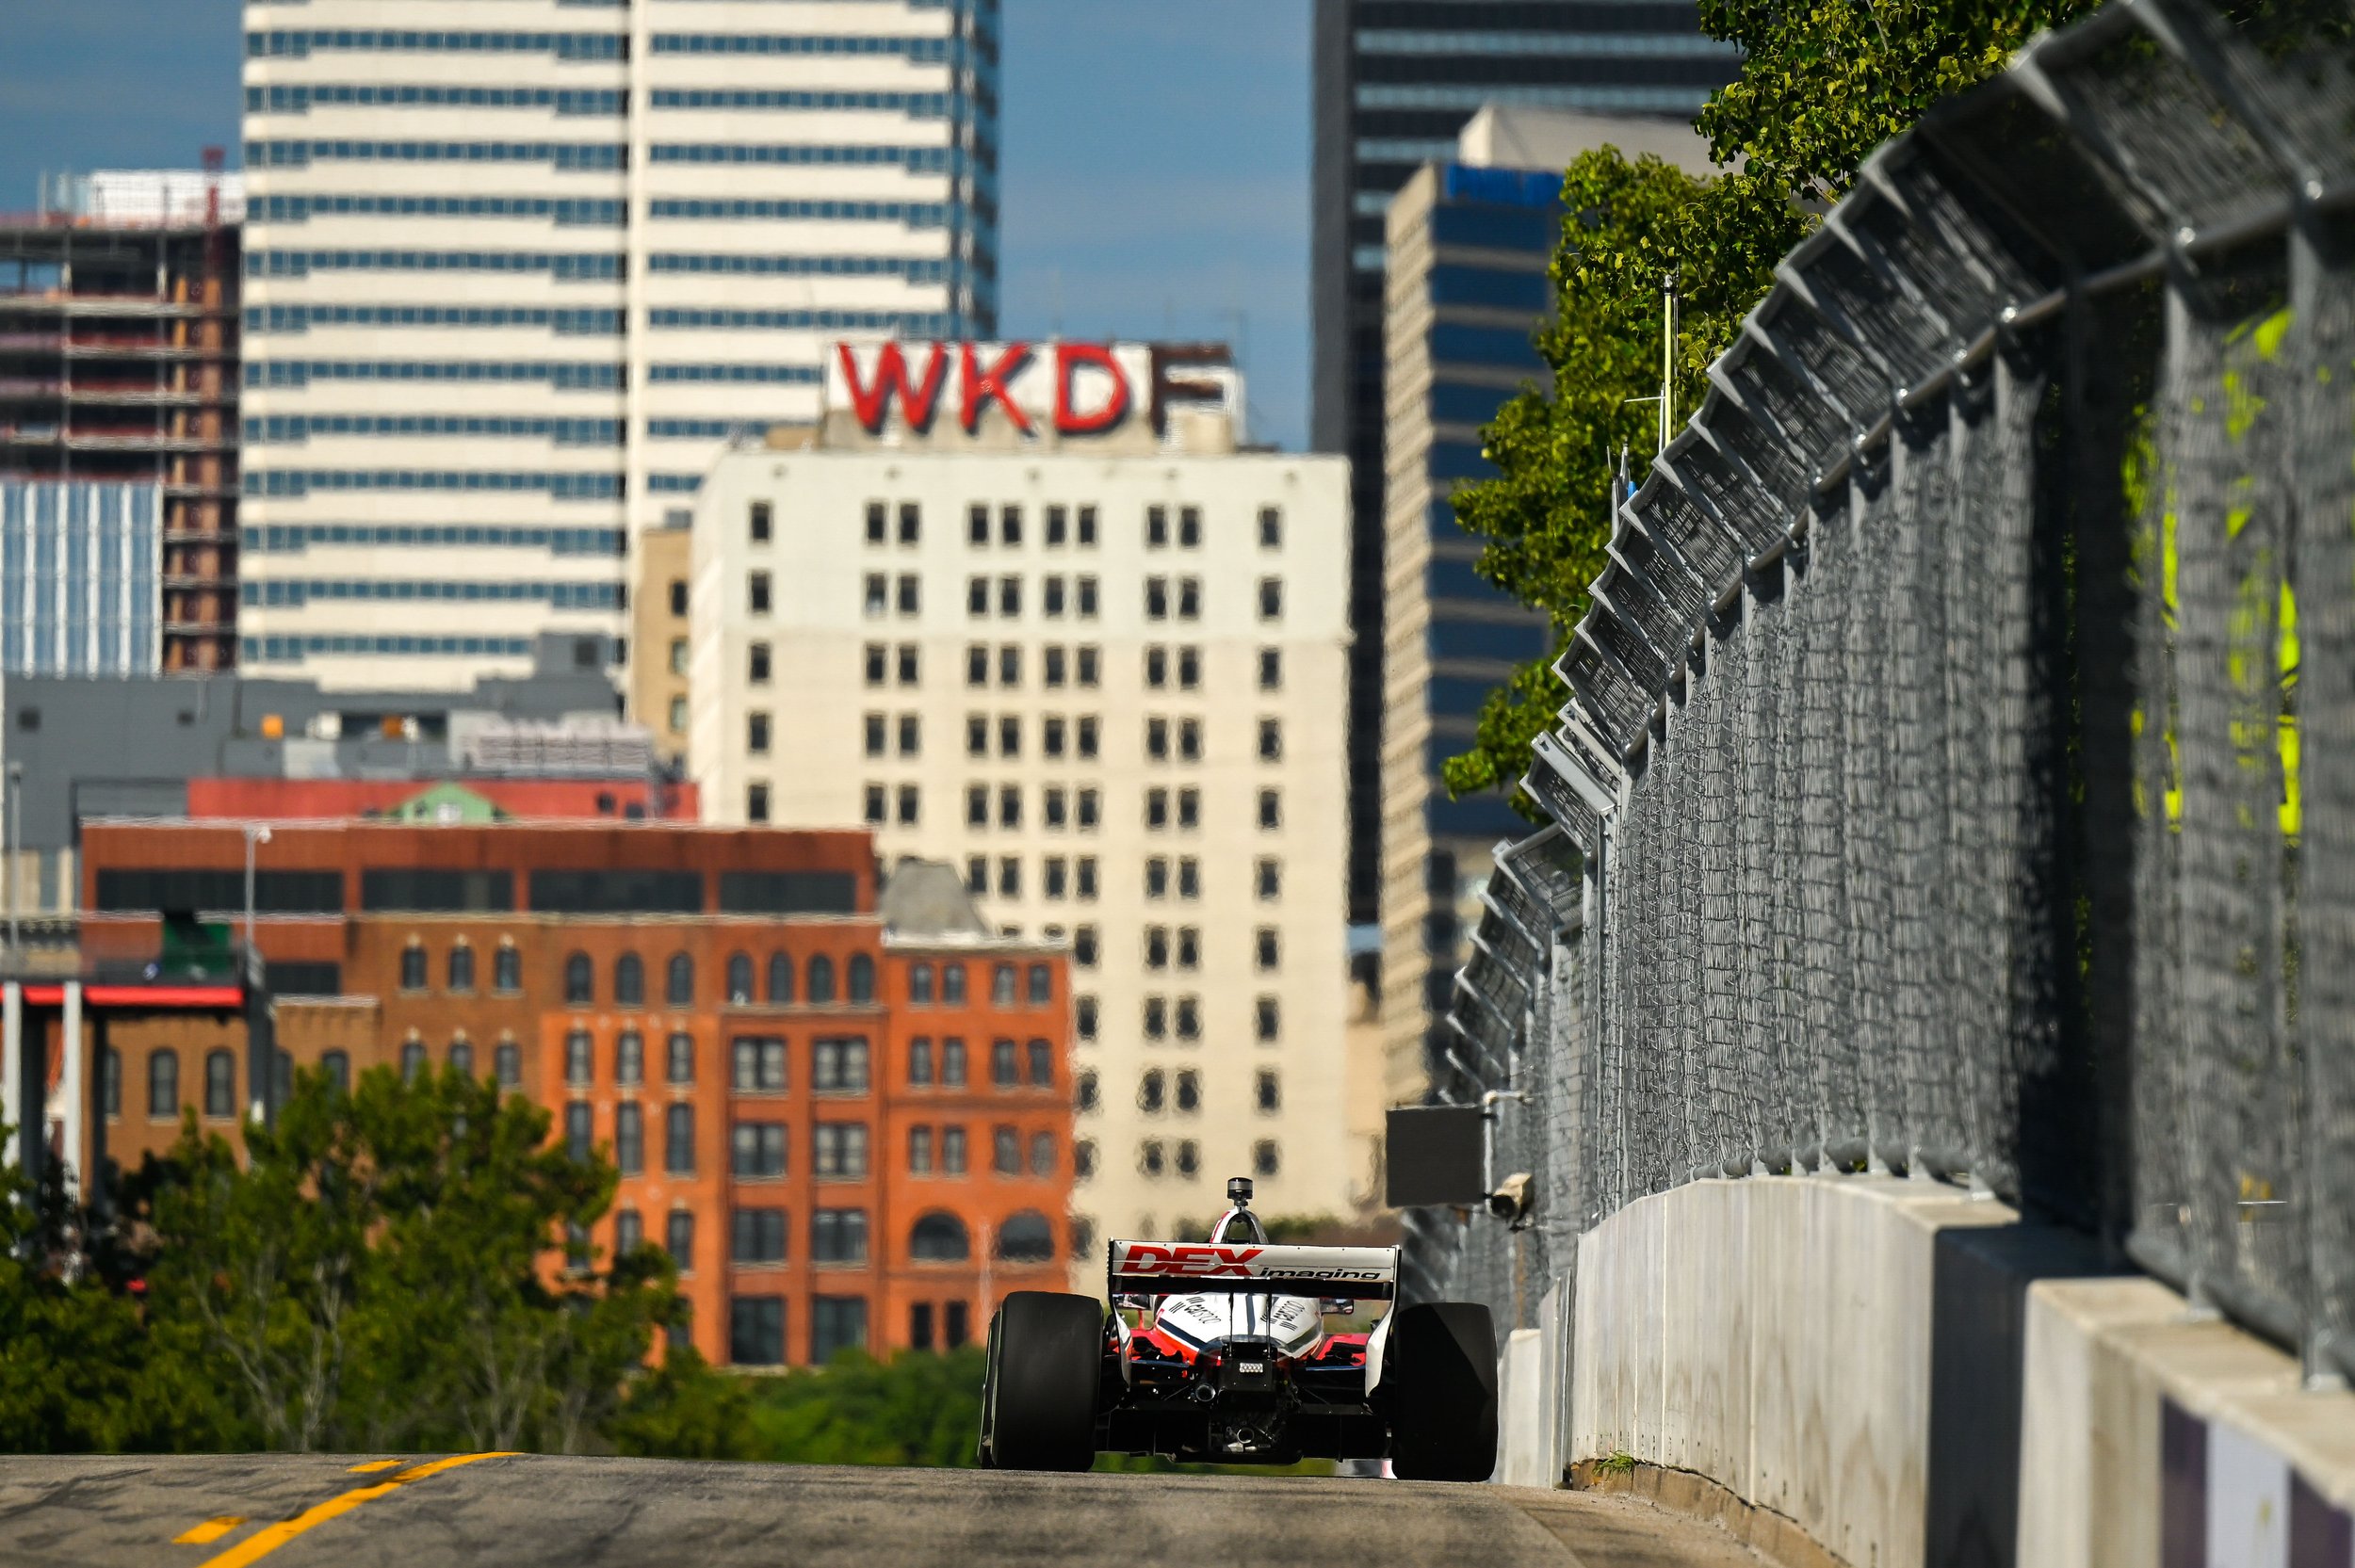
[{"x": 1185, "y": 1268}]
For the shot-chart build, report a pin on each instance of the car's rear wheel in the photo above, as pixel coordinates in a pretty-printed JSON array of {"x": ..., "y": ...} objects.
[
  {"x": 1046, "y": 1358},
  {"x": 1444, "y": 1416}
]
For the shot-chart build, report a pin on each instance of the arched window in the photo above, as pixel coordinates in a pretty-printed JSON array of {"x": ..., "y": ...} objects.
[
  {"x": 740, "y": 978},
  {"x": 1041, "y": 1061},
  {"x": 579, "y": 1064},
  {"x": 462, "y": 967},
  {"x": 862, "y": 978},
  {"x": 780, "y": 977},
  {"x": 939, "y": 1237},
  {"x": 580, "y": 980},
  {"x": 1002, "y": 985},
  {"x": 678, "y": 981},
  {"x": 411, "y": 1060},
  {"x": 337, "y": 1066},
  {"x": 507, "y": 967},
  {"x": 1042, "y": 983},
  {"x": 412, "y": 966},
  {"x": 220, "y": 1083},
  {"x": 1042, "y": 1154},
  {"x": 919, "y": 982},
  {"x": 952, "y": 984},
  {"x": 1026, "y": 1238},
  {"x": 163, "y": 1083},
  {"x": 820, "y": 980},
  {"x": 1005, "y": 1069},
  {"x": 629, "y": 981},
  {"x": 508, "y": 1062},
  {"x": 461, "y": 1055},
  {"x": 629, "y": 1057}
]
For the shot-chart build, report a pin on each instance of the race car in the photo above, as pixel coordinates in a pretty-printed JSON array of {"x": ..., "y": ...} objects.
[{"x": 1230, "y": 1361}]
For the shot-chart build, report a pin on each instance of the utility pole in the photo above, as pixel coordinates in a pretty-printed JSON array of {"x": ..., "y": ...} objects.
[
  {"x": 16, "y": 848},
  {"x": 1667, "y": 358}
]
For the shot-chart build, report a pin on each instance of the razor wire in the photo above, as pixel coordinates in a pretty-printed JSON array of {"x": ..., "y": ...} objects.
[{"x": 1957, "y": 776}]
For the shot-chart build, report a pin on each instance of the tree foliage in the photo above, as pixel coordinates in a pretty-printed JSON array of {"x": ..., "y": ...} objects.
[{"x": 1823, "y": 83}]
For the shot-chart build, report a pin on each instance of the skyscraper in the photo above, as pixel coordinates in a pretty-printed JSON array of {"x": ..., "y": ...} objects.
[
  {"x": 1395, "y": 81},
  {"x": 509, "y": 287}
]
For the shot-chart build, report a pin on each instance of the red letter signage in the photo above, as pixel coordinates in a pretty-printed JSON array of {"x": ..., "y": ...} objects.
[
  {"x": 1068, "y": 419},
  {"x": 872, "y": 402},
  {"x": 983, "y": 386}
]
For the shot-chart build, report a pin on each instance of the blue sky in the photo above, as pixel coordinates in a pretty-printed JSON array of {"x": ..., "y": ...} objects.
[{"x": 1155, "y": 169}]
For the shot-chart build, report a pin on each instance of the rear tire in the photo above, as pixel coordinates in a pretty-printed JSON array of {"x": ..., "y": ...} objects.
[
  {"x": 1047, "y": 1362},
  {"x": 1443, "y": 1416}
]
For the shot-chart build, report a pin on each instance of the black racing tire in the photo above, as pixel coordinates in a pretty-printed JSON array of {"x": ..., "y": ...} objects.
[
  {"x": 1441, "y": 1363},
  {"x": 1048, "y": 1365}
]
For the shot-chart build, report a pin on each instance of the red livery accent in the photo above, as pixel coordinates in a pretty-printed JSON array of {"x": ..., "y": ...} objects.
[{"x": 1189, "y": 1260}]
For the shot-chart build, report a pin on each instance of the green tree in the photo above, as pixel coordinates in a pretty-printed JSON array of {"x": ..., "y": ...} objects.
[
  {"x": 914, "y": 1409},
  {"x": 1821, "y": 84},
  {"x": 70, "y": 1350}
]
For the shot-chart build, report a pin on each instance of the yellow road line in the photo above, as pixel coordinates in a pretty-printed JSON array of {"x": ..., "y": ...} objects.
[
  {"x": 209, "y": 1531},
  {"x": 373, "y": 1465},
  {"x": 269, "y": 1538}
]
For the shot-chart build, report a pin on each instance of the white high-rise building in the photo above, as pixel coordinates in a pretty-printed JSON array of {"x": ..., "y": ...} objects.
[
  {"x": 516, "y": 267},
  {"x": 1099, "y": 666}
]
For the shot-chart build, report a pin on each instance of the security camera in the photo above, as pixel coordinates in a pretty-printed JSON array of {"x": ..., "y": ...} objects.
[{"x": 1510, "y": 1200}]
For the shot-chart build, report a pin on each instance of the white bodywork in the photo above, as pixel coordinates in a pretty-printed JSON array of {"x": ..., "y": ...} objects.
[{"x": 1296, "y": 1323}]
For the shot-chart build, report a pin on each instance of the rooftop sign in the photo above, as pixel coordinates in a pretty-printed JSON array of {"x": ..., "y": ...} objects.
[{"x": 1022, "y": 392}]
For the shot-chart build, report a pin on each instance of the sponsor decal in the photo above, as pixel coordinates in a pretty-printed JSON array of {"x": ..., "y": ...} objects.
[{"x": 1209, "y": 1260}]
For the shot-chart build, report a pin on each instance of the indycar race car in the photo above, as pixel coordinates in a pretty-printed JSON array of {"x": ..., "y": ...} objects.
[{"x": 1230, "y": 1361}]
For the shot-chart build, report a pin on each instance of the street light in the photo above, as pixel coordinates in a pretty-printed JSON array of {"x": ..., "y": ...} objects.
[{"x": 255, "y": 833}]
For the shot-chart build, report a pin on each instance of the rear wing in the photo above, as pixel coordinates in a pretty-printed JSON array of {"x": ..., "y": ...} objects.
[{"x": 1184, "y": 1268}]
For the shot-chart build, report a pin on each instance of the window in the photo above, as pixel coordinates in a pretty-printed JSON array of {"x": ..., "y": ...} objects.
[
  {"x": 952, "y": 984},
  {"x": 1271, "y": 527},
  {"x": 870, "y": 728},
  {"x": 1156, "y": 947},
  {"x": 221, "y": 1084},
  {"x": 1189, "y": 1158},
  {"x": 1087, "y": 525},
  {"x": 921, "y": 1061},
  {"x": 1265, "y": 951},
  {"x": 910, "y": 662},
  {"x": 838, "y": 1066},
  {"x": 629, "y": 1058},
  {"x": 629, "y": 1232},
  {"x": 579, "y": 1059},
  {"x": 1090, "y": 744},
  {"x": 756, "y": 1149},
  {"x": 1157, "y": 877},
  {"x": 507, "y": 1062},
  {"x": 1269, "y": 880},
  {"x": 412, "y": 966},
  {"x": 1188, "y": 808},
  {"x": 756, "y": 1330},
  {"x": 1157, "y": 808},
  {"x": 877, "y": 597},
  {"x": 756, "y": 1236},
  {"x": 1270, "y": 598},
  {"x": 757, "y": 733},
  {"x": 1188, "y": 598},
  {"x": 837, "y": 1235},
  {"x": 1009, "y": 877},
  {"x": 1058, "y": 525},
  {"x": 1267, "y": 1093},
  {"x": 821, "y": 981},
  {"x": 1051, "y": 596},
  {"x": 939, "y": 1237},
  {"x": 1054, "y": 876},
  {"x": 1156, "y": 1018},
  {"x": 336, "y": 1064},
  {"x": 1009, "y": 666},
  {"x": 1087, "y": 876},
  {"x": 1039, "y": 982},
  {"x": 919, "y": 1325},
  {"x": 1157, "y": 740},
  {"x": 1088, "y": 608},
  {"x": 1151, "y": 1092},
  {"x": 629, "y": 981},
  {"x": 1151, "y": 1160},
  {"x": 580, "y": 1132},
  {"x": 909, "y": 596},
  {"x": 836, "y": 1323},
  {"x": 1089, "y": 659},
  {"x": 740, "y": 978},
  {"x": 1190, "y": 740},
  {"x": 977, "y": 666},
  {"x": 412, "y": 1061},
  {"x": 678, "y": 982},
  {"x": 1189, "y": 1092},
  {"x": 1084, "y": 1012},
  {"x": 679, "y": 1054},
  {"x": 1270, "y": 741},
  {"x": 911, "y": 734},
  {"x": 780, "y": 977},
  {"x": 758, "y": 1065},
  {"x": 756, "y": 593},
  {"x": 977, "y": 597},
  {"x": 1190, "y": 668},
  {"x": 757, "y": 802},
  {"x": 1010, "y": 735},
  {"x": 1006, "y": 1064},
  {"x": 678, "y": 1140},
  {"x": 1005, "y": 1152},
  {"x": 1188, "y": 1017},
  {"x": 1264, "y": 1159},
  {"x": 1009, "y": 596},
  {"x": 919, "y": 1151},
  {"x": 1271, "y": 809},
  {"x": 507, "y": 969},
  {"x": 841, "y": 1149},
  {"x": 878, "y": 522},
  {"x": 1084, "y": 947},
  {"x": 911, "y": 802},
  {"x": 1264, "y": 1019},
  {"x": 876, "y": 656},
  {"x": 1155, "y": 528},
  {"x": 1189, "y": 878},
  {"x": 1054, "y": 806},
  {"x": 1189, "y": 947},
  {"x": 462, "y": 967},
  {"x": 862, "y": 972},
  {"x": 919, "y": 982},
  {"x": 1156, "y": 598},
  {"x": 759, "y": 527},
  {"x": 629, "y": 1137},
  {"x": 1190, "y": 528},
  {"x": 1157, "y": 666},
  {"x": 911, "y": 523},
  {"x": 1056, "y": 665},
  {"x": 678, "y": 596},
  {"x": 977, "y": 735},
  {"x": 953, "y": 1062},
  {"x": 952, "y": 1150},
  {"x": 1002, "y": 985}
]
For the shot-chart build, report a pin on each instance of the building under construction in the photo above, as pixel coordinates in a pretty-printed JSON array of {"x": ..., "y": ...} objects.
[{"x": 118, "y": 430}]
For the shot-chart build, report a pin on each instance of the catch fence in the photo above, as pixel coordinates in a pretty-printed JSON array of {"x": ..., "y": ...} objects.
[{"x": 1958, "y": 775}]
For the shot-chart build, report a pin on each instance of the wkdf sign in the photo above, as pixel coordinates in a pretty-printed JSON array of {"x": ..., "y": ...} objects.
[{"x": 1040, "y": 390}]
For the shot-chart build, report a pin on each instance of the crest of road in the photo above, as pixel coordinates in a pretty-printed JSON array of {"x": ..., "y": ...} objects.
[{"x": 521, "y": 1510}]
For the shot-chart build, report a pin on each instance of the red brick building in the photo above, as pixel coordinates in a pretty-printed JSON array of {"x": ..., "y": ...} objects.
[{"x": 821, "y": 1110}]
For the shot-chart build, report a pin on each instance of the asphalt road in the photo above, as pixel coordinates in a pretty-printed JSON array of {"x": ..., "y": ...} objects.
[{"x": 526, "y": 1511}]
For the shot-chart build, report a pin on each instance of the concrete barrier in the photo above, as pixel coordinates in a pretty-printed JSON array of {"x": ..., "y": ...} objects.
[{"x": 1912, "y": 1378}]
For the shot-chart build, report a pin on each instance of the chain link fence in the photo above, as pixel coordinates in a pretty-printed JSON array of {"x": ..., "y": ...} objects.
[{"x": 1959, "y": 777}]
